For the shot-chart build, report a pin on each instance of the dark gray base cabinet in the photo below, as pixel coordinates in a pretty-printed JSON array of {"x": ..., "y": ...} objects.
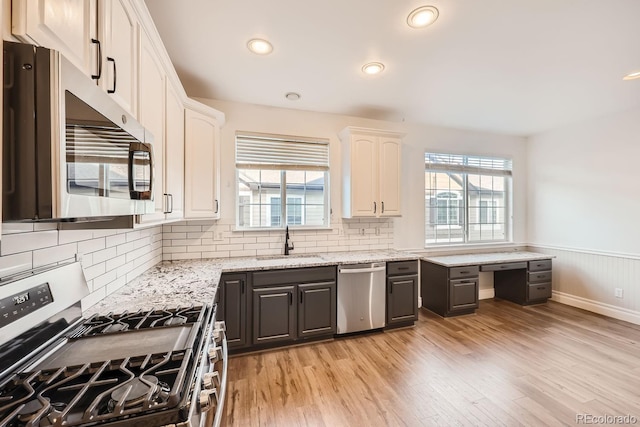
[
  {"x": 293, "y": 304},
  {"x": 527, "y": 286},
  {"x": 402, "y": 293},
  {"x": 232, "y": 308},
  {"x": 449, "y": 291}
]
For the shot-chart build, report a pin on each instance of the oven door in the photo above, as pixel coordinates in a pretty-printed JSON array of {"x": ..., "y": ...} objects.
[{"x": 106, "y": 166}]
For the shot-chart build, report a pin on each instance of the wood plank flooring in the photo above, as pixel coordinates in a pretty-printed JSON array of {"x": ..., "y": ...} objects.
[{"x": 506, "y": 365}]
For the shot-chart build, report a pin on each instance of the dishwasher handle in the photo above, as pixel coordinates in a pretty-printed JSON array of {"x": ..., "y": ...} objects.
[{"x": 360, "y": 270}]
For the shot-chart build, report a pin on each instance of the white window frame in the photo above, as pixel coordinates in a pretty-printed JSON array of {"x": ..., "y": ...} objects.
[
  {"x": 314, "y": 157},
  {"x": 465, "y": 165}
]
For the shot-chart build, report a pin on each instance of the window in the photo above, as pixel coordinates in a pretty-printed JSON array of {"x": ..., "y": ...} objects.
[
  {"x": 467, "y": 199},
  {"x": 271, "y": 169}
]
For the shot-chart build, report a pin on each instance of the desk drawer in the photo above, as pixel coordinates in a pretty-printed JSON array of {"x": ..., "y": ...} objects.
[
  {"x": 538, "y": 291},
  {"x": 540, "y": 276},
  {"x": 460, "y": 272},
  {"x": 504, "y": 266},
  {"x": 541, "y": 265}
]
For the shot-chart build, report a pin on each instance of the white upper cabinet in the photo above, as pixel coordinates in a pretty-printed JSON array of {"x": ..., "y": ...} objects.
[
  {"x": 371, "y": 172},
  {"x": 69, "y": 26},
  {"x": 174, "y": 154},
  {"x": 118, "y": 33},
  {"x": 202, "y": 164},
  {"x": 151, "y": 116}
]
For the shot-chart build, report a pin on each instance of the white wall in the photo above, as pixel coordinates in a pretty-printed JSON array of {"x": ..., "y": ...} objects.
[
  {"x": 583, "y": 207},
  {"x": 409, "y": 229}
]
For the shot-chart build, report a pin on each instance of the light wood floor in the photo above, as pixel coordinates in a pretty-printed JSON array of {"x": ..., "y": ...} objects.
[{"x": 505, "y": 365}]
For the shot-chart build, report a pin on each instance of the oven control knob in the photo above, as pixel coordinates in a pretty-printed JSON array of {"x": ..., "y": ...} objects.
[
  {"x": 211, "y": 380},
  {"x": 215, "y": 354},
  {"x": 207, "y": 399}
]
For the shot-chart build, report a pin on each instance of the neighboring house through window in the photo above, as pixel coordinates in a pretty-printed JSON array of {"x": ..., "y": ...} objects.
[
  {"x": 467, "y": 199},
  {"x": 271, "y": 169}
]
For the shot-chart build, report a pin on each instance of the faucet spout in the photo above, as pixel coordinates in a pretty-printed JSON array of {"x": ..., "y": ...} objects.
[{"x": 288, "y": 244}]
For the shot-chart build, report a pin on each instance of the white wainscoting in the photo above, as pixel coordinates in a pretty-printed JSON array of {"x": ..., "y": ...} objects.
[{"x": 588, "y": 279}]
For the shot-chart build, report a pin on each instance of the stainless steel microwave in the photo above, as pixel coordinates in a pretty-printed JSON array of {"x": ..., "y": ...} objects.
[{"x": 70, "y": 152}]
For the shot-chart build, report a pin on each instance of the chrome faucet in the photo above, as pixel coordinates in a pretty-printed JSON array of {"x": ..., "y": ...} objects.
[{"x": 287, "y": 248}]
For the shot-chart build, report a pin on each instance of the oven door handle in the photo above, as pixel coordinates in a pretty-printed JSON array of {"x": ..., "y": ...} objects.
[
  {"x": 139, "y": 147},
  {"x": 223, "y": 382}
]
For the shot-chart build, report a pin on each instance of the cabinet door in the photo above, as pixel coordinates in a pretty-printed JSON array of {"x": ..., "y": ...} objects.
[
  {"x": 119, "y": 36},
  {"x": 463, "y": 294},
  {"x": 274, "y": 314},
  {"x": 316, "y": 309},
  {"x": 151, "y": 114},
  {"x": 402, "y": 299},
  {"x": 201, "y": 166},
  {"x": 390, "y": 157},
  {"x": 64, "y": 25},
  {"x": 364, "y": 176},
  {"x": 233, "y": 288},
  {"x": 174, "y": 159}
]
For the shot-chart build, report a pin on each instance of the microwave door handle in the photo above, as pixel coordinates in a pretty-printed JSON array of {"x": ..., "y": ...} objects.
[{"x": 136, "y": 147}]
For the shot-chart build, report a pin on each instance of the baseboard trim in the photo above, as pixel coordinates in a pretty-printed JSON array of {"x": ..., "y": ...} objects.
[
  {"x": 609, "y": 310},
  {"x": 486, "y": 293}
]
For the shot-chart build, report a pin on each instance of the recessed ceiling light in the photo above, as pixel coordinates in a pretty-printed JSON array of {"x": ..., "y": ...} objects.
[
  {"x": 373, "y": 68},
  {"x": 422, "y": 17},
  {"x": 632, "y": 76},
  {"x": 292, "y": 96},
  {"x": 260, "y": 46}
]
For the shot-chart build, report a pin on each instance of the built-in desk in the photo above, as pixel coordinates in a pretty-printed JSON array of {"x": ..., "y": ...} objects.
[{"x": 449, "y": 284}]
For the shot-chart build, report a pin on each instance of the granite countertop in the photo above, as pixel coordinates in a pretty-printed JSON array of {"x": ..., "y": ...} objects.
[
  {"x": 485, "y": 258},
  {"x": 183, "y": 283}
]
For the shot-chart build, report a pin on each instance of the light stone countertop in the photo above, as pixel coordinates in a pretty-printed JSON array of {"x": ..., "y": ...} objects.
[
  {"x": 485, "y": 258},
  {"x": 195, "y": 282}
]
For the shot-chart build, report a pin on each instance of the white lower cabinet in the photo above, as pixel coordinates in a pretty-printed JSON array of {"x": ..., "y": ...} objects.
[{"x": 202, "y": 163}]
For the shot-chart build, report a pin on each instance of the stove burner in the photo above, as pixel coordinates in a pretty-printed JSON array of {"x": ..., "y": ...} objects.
[
  {"x": 31, "y": 408},
  {"x": 116, "y": 327},
  {"x": 176, "y": 321},
  {"x": 138, "y": 391}
]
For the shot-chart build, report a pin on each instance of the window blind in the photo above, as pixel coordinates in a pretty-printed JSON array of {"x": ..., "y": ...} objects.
[
  {"x": 262, "y": 151},
  {"x": 457, "y": 163}
]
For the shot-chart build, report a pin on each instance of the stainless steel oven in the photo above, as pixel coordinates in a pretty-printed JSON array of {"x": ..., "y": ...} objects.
[
  {"x": 161, "y": 367},
  {"x": 70, "y": 152}
]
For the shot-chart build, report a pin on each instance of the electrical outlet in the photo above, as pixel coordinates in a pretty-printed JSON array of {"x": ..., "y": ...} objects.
[
  {"x": 619, "y": 293},
  {"x": 377, "y": 231},
  {"x": 362, "y": 231},
  {"x": 219, "y": 235}
]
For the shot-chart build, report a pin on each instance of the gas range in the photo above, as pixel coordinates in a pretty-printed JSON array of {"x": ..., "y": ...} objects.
[{"x": 147, "y": 368}]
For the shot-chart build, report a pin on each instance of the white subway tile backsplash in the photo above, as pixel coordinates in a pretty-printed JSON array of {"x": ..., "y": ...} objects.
[
  {"x": 115, "y": 240},
  {"x": 93, "y": 245},
  {"x": 69, "y": 236},
  {"x": 94, "y": 271},
  {"x": 54, "y": 254},
  {"x": 24, "y": 242},
  {"x": 15, "y": 263}
]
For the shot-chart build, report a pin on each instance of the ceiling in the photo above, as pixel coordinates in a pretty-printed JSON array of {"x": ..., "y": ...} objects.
[{"x": 515, "y": 67}]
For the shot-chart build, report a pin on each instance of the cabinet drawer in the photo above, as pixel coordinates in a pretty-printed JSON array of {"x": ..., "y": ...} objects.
[
  {"x": 401, "y": 268},
  {"x": 294, "y": 275},
  {"x": 540, "y": 276},
  {"x": 463, "y": 294},
  {"x": 505, "y": 266},
  {"x": 538, "y": 291},
  {"x": 541, "y": 265},
  {"x": 459, "y": 272}
]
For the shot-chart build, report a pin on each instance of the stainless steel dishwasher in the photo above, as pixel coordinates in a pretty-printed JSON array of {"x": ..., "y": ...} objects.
[{"x": 361, "y": 297}]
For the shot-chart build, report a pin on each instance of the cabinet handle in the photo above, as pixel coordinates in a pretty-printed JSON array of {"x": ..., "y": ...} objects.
[
  {"x": 290, "y": 298},
  {"x": 166, "y": 203},
  {"x": 301, "y": 296},
  {"x": 97, "y": 76},
  {"x": 403, "y": 268},
  {"x": 374, "y": 207},
  {"x": 242, "y": 286},
  {"x": 390, "y": 288},
  {"x": 382, "y": 204},
  {"x": 541, "y": 288},
  {"x": 217, "y": 206},
  {"x": 115, "y": 75},
  {"x": 171, "y": 198}
]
